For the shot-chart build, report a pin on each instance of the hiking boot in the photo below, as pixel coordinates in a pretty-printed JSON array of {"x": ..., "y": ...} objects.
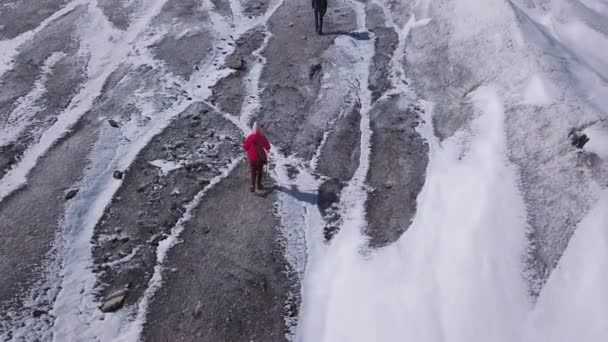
[
  {"x": 260, "y": 187},
  {"x": 252, "y": 189}
]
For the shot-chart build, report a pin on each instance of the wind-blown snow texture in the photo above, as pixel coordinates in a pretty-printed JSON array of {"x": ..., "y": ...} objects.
[{"x": 502, "y": 225}]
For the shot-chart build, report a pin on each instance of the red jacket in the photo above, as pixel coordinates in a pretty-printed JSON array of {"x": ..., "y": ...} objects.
[{"x": 250, "y": 146}]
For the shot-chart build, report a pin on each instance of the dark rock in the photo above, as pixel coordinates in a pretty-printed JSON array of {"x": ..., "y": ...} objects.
[
  {"x": 314, "y": 70},
  {"x": 70, "y": 194},
  {"x": 203, "y": 182},
  {"x": 37, "y": 313},
  {"x": 292, "y": 171},
  {"x": 236, "y": 64},
  {"x": 155, "y": 239},
  {"x": 113, "y": 123},
  {"x": 198, "y": 310},
  {"x": 117, "y": 174}
]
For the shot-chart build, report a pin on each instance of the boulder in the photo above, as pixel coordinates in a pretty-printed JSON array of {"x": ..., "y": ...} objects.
[
  {"x": 236, "y": 64},
  {"x": 114, "y": 302}
]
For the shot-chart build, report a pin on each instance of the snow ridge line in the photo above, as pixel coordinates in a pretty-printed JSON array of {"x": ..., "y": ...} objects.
[{"x": 354, "y": 195}]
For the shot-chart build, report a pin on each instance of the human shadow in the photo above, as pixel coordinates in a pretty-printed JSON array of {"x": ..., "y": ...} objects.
[
  {"x": 263, "y": 193},
  {"x": 354, "y": 35},
  {"x": 359, "y": 35},
  {"x": 335, "y": 33},
  {"x": 294, "y": 192}
]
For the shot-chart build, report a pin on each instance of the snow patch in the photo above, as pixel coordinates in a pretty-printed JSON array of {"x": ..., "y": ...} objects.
[
  {"x": 537, "y": 92},
  {"x": 572, "y": 306},
  {"x": 27, "y": 106},
  {"x": 598, "y": 141},
  {"x": 166, "y": 166}
]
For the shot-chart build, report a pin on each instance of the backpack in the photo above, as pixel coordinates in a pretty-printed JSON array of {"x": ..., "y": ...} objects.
[{"x": 261, "y": 153}]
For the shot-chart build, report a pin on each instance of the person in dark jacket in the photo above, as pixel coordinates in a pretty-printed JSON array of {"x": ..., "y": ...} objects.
[
  {"x": 320, "y": 7},
  {"x": 257, "y": 147}
]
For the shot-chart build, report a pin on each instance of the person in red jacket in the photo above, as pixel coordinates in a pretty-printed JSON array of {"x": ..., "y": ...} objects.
[{"x": 257, "y": 147}]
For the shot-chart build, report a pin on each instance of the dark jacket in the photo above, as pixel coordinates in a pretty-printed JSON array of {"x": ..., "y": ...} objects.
[{"x": 320, "y": 6}]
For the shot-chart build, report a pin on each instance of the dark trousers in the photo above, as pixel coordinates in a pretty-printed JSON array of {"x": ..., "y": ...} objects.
[
  {"x": 319, "y": 22},
  {"x": 257, "y": 172}
]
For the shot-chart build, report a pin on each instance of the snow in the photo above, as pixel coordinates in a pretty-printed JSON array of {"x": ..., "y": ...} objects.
[
  {"x": 131, "y": 330},
  {"x": 9, "y": 49},
  {"x": 28, "y": 106},
  {"x": 455, "y": 275},
  {"x": 537, "y": 92},
  {"x": 106, "y": 49},
  {"x": 598, "y": 140},
  {"x": 165, "y": 166},
  {"x": 573, "y": 306}
]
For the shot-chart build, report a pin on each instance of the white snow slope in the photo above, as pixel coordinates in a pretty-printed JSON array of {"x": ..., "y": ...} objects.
[{"x": 537, "y": 69}]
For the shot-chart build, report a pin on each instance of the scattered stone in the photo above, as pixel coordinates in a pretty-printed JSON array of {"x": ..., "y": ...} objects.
[
  {"x": 189, "y": 98},
  {"x": 37, "y": 313},
  {"x": 179, "y": 144},
  {"x": 206, "y": 230},
  {"x": 292, "y": 171},
  {"x": 578, "y": 140},
  {"x": 290, "y": 24},
  {"x": 113, "y": 123},
  {"x": 236, "y": 64},
  {"x": 114, "y": 302},
  {"x": 314, "y": 70},
  {"x": 117, "y": 174},
  {"x": 198, "y": 310},
  {"x": 70, "y": 194},
  {"x": 155, "y": 239},
  {"x": 304, "y": 38}
]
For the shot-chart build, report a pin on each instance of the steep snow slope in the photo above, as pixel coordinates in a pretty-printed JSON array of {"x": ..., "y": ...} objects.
[{"x": 510, "y": 233}]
